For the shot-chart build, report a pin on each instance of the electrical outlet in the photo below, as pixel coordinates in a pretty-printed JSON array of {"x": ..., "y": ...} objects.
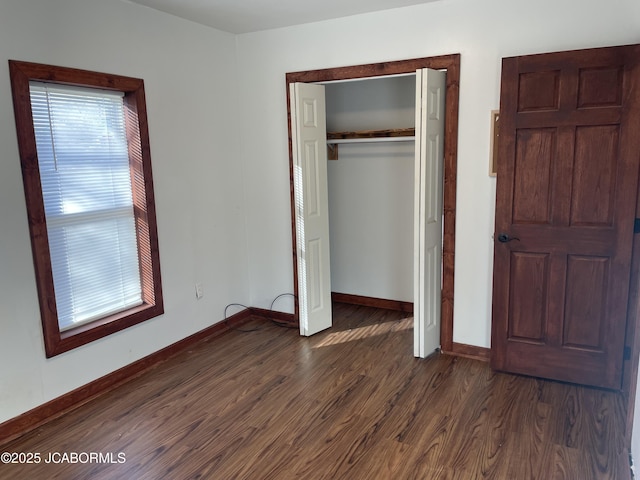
[{"x": 199, "y": 291}]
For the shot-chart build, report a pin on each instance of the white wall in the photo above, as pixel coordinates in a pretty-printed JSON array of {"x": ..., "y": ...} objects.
[
  {"x": 482, "y": 32},
  {"x": 189, "y": 72},
  {"x": 371, "y": 220},
  {"x": 371, "y": 190}
]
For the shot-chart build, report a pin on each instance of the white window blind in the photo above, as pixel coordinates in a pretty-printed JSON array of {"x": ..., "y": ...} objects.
[{"x": 86, "y": 186}]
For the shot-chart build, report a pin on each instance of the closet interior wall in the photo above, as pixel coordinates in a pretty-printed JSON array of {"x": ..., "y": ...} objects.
[{"x": 371, "y": 189}]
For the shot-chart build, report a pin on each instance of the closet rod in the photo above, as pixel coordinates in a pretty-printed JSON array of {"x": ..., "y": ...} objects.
[{"x": 334, "y": 141}]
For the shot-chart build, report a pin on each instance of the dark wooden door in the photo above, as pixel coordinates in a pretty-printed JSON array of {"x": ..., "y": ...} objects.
[{"x": 567, "y": 186}]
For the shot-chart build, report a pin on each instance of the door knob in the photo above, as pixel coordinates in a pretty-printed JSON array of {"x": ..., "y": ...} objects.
[{"x": 505, "y": 237}]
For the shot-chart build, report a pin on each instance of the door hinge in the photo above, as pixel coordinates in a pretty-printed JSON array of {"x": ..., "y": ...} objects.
[
  {"x": 627, "y": 353},
  {"x": 636, "y": 225}
]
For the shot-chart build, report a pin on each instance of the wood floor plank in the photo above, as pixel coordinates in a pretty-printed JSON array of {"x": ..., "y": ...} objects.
[
  {"x": 530, "y": 444},
  {"x": 350, "y": 403}
]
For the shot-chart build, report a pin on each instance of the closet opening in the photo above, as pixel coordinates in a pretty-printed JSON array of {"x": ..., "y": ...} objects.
[
  {"x": 357, "y": 134},
  {"x": 370, "y": 176}
]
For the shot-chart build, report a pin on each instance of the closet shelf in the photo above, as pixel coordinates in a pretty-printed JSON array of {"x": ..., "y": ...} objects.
[
  {"x": 390, "y": 135},
  {"x": 367, "y": 136}
]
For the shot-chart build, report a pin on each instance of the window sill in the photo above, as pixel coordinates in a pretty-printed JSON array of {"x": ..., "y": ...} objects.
[{"x": 83, "y": 334}]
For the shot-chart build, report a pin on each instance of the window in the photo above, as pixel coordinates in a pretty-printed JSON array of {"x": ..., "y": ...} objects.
[{"x": 84, "y": 150}]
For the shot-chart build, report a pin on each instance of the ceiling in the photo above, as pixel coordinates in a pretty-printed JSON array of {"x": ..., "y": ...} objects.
[{"x": 244, "y": 16}]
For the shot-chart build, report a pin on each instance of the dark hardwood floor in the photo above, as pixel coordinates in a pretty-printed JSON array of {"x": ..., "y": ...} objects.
[{"x": 349, "y": 403}]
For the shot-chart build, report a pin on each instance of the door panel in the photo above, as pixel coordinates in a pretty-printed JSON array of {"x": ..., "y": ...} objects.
[
  {"x": 538, "y": 91},
  {"x": 585, "y": 314},
  {"x": 308, "y": 127},
  {"x": 534, "y": 160},
  {"x": 600, "y": 87},
  {"x": 528, "y": 302},
  {"x": 429, "y": 165},
  {"x": 594, "y": 175},
  {"x": 566, "y": 195}
]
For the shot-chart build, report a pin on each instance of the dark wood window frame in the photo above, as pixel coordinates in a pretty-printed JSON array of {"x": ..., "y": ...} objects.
[
  {"x": 55, "y": 341},
  {"x": 450, "y": 63}
]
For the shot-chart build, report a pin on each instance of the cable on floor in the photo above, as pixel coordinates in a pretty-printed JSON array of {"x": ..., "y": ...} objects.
[
  {"x": 274, "y": 321},
  {"x": 238, "y": 329}
]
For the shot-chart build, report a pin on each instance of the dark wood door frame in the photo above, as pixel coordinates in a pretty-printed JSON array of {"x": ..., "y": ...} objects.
[{"x": 450, "y": 63}]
